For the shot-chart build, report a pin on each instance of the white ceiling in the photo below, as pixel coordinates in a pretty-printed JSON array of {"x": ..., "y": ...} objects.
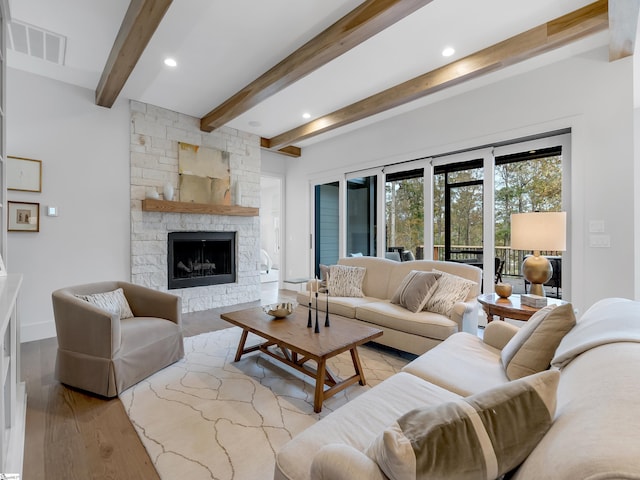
[{"x": 223, "y": 45}]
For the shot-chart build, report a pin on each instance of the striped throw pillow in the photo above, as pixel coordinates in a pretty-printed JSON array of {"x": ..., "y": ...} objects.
[
  {"x": 112, "y": 302},
  {"x": 451, "y": 290},
  {"x": 414, "y": 291}
]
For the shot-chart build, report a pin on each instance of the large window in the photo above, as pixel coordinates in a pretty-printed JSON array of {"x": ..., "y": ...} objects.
[
  {"x": 404, "y": 213},
  {"x": 529, "y": 181},
  {"x": 470, "y": 195}
]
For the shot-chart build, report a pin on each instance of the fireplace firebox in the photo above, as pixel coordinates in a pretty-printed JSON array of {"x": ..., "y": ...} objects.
[{"x": 201, "y": 258}]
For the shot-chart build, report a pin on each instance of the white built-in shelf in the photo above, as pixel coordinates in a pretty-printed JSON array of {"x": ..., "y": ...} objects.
[{"x": 13, "y": 397}]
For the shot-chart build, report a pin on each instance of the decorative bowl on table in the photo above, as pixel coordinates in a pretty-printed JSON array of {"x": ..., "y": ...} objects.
[
  {"x": 503, "y": 289},
  {"x": 279, "y": 310}
]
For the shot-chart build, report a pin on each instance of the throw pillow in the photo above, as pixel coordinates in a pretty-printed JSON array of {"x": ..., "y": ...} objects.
[
  {"x": 532, "y": 348},
  {"x": 451, "y": 290},
  {"x": 414, "y": 291},
  {"x": 112, "y": 302},
  {"x": 479, "y": 437},
  {"x": 324, "y": 275},
  {"x": 346, "y": 281}
]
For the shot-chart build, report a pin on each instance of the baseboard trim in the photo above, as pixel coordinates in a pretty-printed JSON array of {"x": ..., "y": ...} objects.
[{"x": 37, "y": 331}]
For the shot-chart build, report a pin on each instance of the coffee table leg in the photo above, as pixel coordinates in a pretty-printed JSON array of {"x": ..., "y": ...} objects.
[
  {"x": 319, "y": 395},
  {"x": 243, "y": 339},
  {"x": 358, "y": 366}
]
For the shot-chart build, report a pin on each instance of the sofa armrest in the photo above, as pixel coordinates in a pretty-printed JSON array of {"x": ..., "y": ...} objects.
[
  {"x": 465, "y": 314},
  {"x": 343, "y": 462},
  {"x": 72, "y": 317},
  {"x": 147, "y": 302},
  {"x": 498, "y": 333}
]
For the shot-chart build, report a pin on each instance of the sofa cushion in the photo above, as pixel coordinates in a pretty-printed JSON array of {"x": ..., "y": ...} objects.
[
  {"x": 464, "y": 364},
  {"x": 425, "y": 324},
  {"x": 345, "y": 281},
  {"x": 415, "y": 290},
  {"x": 479, "y": 437},
  {"x": 451, "y": 289},
  {"x": 112, "y": 302},
  {"x": 532, "y": 348},
  {"x": 369, "y": 412}
]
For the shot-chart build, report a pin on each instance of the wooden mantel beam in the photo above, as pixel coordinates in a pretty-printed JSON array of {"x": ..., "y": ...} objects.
[
  {"x": 370, "y": 18},
  {"x": 543, "y": 38},
  {"x": 623, "y": 19},
  {"x": 138, "y": 26}
]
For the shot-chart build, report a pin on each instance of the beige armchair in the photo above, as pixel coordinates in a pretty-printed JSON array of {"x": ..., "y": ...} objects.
[{"x": 103, "y": 354}]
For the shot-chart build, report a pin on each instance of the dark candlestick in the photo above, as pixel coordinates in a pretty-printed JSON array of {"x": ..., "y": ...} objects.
[
  {"x": 317, "y": 329},
  {"x": 309, "y": 320},
  {"x": 326, "y": 318}
]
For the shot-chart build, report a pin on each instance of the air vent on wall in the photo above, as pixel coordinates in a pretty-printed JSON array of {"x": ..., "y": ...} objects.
[{"x": 37, "y": 42}]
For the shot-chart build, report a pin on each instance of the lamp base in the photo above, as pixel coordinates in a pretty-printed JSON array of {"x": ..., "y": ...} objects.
[{"x": 537, "y": 270}]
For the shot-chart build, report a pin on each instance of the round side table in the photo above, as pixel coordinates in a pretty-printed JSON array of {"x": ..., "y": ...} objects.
[{"x": 511, "y": 307}]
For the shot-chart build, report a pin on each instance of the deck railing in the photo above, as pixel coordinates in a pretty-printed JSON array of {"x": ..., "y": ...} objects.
[{"x": 512, "y": 258}]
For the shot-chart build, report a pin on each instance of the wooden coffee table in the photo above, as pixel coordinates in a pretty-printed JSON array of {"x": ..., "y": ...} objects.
[
  {"x": 510, "y": 307},
  {"x": 298, "y": 345}
]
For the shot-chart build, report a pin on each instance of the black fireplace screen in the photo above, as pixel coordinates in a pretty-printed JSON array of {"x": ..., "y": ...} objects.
[{"x": 201, "y": 258}]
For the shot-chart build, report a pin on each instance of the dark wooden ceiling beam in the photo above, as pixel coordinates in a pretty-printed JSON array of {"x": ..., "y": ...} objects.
[
  {"x": 370, "y": 18},
  {"x": 551, "y": 35},
  {"x": 623, "y": 19},
  {"x": 138, "y": 26}
]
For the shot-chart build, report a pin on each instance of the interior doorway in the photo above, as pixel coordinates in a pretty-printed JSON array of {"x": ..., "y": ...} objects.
[{"x": 271, "y": 211}]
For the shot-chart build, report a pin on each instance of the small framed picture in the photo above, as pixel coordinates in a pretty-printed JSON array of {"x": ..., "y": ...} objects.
[
  {"x": 23, "y": 217},
  {"x": 24, "y": 174}
]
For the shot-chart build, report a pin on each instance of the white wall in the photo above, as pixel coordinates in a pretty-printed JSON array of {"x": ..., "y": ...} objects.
[
  {"x": 585, "y": 93},
  {"x": 85, "y": 173}
]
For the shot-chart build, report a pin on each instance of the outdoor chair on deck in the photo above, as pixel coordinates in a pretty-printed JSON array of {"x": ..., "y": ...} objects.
[{"x": 499, "y": 265}]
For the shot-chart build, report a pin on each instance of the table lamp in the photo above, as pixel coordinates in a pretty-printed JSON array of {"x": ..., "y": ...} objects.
[{"x": 538, "y": 231}]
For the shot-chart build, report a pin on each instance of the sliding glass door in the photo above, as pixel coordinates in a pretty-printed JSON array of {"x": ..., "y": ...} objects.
[
  {"x": 458, "y": 212},
  {"x": 362, "y": 216},
  {"x": 327, "y": 225}
]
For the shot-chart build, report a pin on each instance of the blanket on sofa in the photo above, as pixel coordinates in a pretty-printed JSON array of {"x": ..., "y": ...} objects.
[{"x": 608, "y": 321}]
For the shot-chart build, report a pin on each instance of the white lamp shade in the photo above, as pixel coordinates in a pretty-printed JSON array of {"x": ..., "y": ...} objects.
[{"x": 539, "y": 231}]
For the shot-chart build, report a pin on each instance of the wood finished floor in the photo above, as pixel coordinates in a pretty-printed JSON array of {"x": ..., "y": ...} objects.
[{"x": 73, "y": 435}]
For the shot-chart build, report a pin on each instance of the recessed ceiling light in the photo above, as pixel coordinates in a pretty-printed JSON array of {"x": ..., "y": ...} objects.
[
  {"x": 306, "y": 115},
  {"x": 170, "y": 62},
  {"x": 447, "y": 52}
]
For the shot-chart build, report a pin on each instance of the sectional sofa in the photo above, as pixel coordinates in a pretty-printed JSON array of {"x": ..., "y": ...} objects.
[
  {"x": 593, "y": 433},
  {"x": 411, "y": 332}
]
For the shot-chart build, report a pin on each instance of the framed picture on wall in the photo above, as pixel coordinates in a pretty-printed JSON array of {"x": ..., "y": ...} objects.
[
  {"x": 23, "y": 217},
  {"x": 24, "y": 174}
]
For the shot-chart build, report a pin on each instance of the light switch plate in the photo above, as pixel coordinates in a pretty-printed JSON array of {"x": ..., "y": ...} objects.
[{"x": 596, "y": 226}]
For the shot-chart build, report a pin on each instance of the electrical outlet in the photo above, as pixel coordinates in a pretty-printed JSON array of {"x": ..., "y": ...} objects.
[{"x": 600, "y": 241}]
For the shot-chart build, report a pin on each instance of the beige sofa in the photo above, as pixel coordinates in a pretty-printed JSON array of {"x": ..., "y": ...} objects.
[
  {"x": 594, "y": 434},
  {"x": 411, "y": 332}
]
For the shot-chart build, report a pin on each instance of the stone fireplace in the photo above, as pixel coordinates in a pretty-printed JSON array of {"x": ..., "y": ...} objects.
[{"x": 155, "y": 133}]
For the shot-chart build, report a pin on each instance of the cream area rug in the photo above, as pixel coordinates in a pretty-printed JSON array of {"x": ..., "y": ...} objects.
[{"x": 207, "y": 417}]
